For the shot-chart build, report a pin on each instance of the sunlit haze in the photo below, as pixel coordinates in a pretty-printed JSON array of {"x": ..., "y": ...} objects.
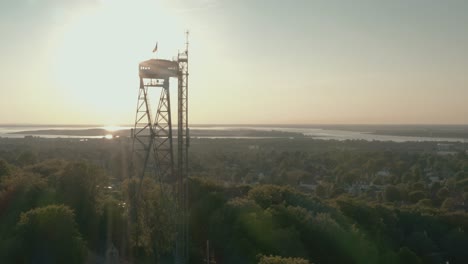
[{"x": 268, "y": 62}]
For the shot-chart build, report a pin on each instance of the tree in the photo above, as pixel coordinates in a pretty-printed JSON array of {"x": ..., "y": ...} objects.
[
  {"x": 425, "y": 203},
  {"x": 406, "y": 256},
  {"x": 448, "y": 204},
  {"x": 391, "y": 194},
  {"x": 4, "y": 168},
  {"x": 435, "y": 187},
  {"x": 19, "y": 193},
  {"x": 465, "y": 196},
  {"x": 26, "y": 158},
  {"x": 153, "y": 226},
  {"x": 416, "y": 173},
  {"x": 321, "y": 191},
  {"x": 421, "y": 243},
  {"x": 455, "y": 243},
  {"x": 416, "y": 196},
  {"x": 461, "y": 175},
  {"x": 443, "y": 193},
  {"x": 48, "y": 235},
  {"x": 266, "y": 195},
  {"x": 81, "y": 186},
  {"x": 418, "y": 186},
  {"x": 295, "y": 176}
]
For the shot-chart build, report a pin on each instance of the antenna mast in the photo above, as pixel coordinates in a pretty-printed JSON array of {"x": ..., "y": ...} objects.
[{"x": 186, "y": 41}]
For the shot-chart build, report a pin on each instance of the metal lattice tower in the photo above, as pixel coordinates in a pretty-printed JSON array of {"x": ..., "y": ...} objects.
[{"x": 153, "y": 139}]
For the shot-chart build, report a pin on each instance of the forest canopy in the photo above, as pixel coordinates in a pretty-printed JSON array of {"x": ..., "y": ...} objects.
[{"x": 249, "y": 204}]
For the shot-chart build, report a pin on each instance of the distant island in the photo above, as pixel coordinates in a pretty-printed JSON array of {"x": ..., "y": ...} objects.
[{"x": 69, "y": 132}]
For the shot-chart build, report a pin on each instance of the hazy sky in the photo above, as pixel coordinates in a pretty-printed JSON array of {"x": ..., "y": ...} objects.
[{"x": 262, "y": 61}]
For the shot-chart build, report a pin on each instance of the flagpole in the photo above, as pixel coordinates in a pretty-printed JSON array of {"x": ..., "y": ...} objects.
[{"x": 155, "y": 50}]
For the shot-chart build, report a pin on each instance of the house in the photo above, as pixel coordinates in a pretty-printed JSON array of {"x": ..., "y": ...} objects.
[
  {"x": 357, "y": 188},
  {"x": 310, "y": 185},
  {"x": 445, "y": 149},
  {"x": 434, "y": 179},
  {"x": 444, "y": 146},
  {"x": 254, "y": 147},
  {"x": 383, "y": 173},
  {"x": 261, "y": 176}
]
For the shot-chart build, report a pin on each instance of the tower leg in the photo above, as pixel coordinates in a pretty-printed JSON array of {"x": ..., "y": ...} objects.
[
  {"x": 152, "y": 147},
  {"x": 163, "y": 144},
  {"x": 143, "y": 134}
]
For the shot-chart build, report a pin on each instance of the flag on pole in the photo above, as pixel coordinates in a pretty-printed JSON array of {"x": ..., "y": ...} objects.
[{"x": 155, "y": 48}]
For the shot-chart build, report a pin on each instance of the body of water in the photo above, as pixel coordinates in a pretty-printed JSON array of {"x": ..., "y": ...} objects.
[
  {"x": 330, "y": 134},
  {"x": 318, "y": 133}
]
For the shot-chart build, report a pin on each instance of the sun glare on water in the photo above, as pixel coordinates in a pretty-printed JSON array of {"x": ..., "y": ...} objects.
[{"x": 113, "y": 128}]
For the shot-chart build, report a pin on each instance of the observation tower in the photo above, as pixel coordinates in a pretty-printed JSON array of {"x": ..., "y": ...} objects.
[{"x": 153, "y": 146}]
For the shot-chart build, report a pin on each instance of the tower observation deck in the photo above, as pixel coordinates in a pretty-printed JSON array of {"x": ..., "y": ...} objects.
[{"x": 159, "y": 69}]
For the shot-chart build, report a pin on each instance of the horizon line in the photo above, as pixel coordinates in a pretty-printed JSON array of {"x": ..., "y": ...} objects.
[{"x": 248, "y": 124}]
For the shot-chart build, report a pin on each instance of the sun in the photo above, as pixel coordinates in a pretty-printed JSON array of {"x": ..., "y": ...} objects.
[{"x": 96, "y": 56}]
